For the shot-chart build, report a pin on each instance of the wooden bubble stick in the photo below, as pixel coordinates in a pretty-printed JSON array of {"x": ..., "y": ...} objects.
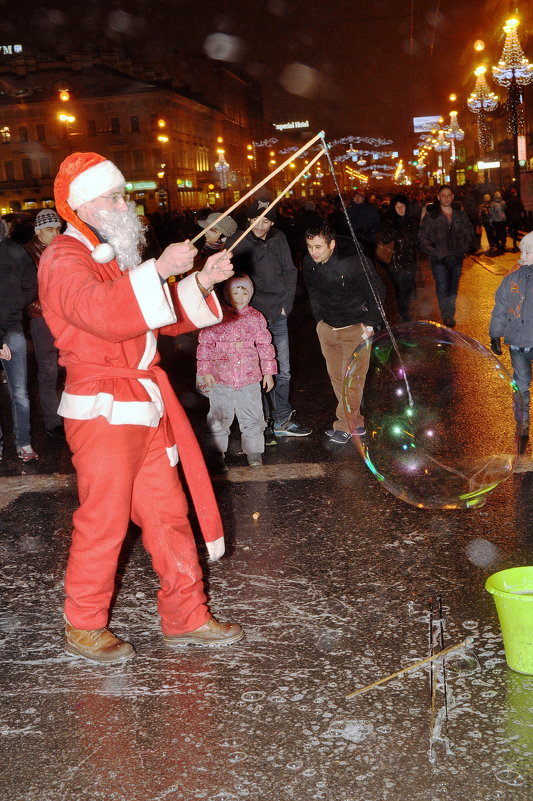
[
  {"x": 276, "y": 200},
  {"x": 254, "y": 189}
]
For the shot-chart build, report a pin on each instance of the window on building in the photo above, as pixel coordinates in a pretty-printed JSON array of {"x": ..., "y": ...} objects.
[
  {"x": 135, "y": 124},
  {"x": 27, "y": 169},
  {"x": 153, "y": 122},
  {"x": 138, "y": 160},
  {"x": 9, "y": 169},
  {"x": 44, "y": 166},
  {"x": 115, "y": 125},
  {"x": 91, "y": 127},
  {"x": 41, "y": 133},
  {"x": 5, "y": 134},
  {"x": 119, "y": 158},
  {"x": 157, "y": 158},
  {"x": 23, "y": 134}
]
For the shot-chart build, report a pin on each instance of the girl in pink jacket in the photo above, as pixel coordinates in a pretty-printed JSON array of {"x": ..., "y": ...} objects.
[{"x": 235, "y": 358}]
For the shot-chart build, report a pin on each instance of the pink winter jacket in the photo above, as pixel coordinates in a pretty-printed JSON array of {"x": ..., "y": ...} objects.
[{"x": 238, "y": 351}]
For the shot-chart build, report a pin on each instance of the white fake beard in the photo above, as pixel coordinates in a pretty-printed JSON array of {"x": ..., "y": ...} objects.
[{"x": 125, "y": 233}]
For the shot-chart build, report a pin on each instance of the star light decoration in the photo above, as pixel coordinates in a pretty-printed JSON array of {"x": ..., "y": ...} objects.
[
  {"x": 480, "y": 101},
  {"x": 513, "y": 71}
]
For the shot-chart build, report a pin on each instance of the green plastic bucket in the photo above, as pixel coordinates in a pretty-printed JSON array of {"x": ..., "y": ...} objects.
[{"x": 513, "y": 595}]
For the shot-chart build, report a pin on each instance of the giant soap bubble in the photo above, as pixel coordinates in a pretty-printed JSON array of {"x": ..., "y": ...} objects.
[{"x": 438, "y": 408}]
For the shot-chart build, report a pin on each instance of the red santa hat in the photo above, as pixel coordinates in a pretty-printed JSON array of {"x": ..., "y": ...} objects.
[{"x": 83, "y": 177}]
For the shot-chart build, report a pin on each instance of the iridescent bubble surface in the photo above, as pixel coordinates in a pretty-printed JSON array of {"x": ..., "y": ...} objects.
[{"x": 438, "y": 408}]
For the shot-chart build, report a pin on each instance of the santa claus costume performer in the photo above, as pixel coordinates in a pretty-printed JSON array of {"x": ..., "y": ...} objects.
[{"x": 123, "y": 422}]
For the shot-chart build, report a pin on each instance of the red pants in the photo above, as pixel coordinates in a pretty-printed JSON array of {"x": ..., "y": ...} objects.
[{"x": 124, "y": 473}]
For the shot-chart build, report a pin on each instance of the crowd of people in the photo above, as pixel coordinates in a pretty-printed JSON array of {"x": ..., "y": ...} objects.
[{"x": 122, "y": 421}]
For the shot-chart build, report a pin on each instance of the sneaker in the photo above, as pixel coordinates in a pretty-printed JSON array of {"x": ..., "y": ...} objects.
[
  {"x": 96, "y": 645},
  {"x": 359, "y": 431},
  {"x": 290, "y": 428},
  {"x": 26, "y": 453},
  {"x": 340, "y": 437},
  {"x": 254, "y": 459},
  {"x": 211, "y": 635}
]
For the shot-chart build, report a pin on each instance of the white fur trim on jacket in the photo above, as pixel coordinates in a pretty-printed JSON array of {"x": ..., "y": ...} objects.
[
  {"x": 87, "y": 407},
  {"x": 194, "y": 304},
  {"x": 93, "y": 183},
  {"x": 152, "y": 296},
  {"x": 216, "y": 549}
]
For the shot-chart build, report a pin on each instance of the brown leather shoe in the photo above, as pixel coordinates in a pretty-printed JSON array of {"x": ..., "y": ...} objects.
[
  {"x": 212, "y": 634},
  {"x": 97, "y": 645}
]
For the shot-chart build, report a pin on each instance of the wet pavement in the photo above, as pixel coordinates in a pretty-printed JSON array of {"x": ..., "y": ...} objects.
[{"x": 336, "y": 582}]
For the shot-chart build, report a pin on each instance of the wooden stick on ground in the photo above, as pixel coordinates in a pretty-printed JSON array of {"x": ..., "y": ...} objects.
[
  {"x": 425, "y": 661},
  {"x": 286, "y": 163}
]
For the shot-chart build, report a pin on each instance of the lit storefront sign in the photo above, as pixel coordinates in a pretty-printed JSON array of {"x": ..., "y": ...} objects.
[
  {"x": 488, "y": 165},
  {"x": 141, "y": 186}
]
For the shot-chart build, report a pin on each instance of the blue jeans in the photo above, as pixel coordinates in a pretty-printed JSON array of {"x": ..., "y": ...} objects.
[
  {"x": 447, "y": 272},
  {"x": 16, "y": 370},
  {"x": 521, "y": 360},
  {"x": 278, "y": 398}
]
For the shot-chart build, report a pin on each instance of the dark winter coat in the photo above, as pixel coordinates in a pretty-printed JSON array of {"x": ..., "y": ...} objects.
[
  {"x": 439, "y": 238},
  {"x": 340, "y": 291},
  {"x": 18, "y": 284},
  {"x": 269, "y": 264},
  {"x": 403, "y": 231},
  {"x": 512, "y": 316},
  {"x": 365, "y": 221}
]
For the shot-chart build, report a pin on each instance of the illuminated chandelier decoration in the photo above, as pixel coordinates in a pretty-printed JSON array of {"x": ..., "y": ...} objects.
[
  {"x": 440, "y": 144},
  {"x": 480, "y": 101},
  {"x": 513, "y": 71},
  {"x": 454, "y": 133},
  {"x": 513, "y": 63},
  {"x": 222, "y": 167}
]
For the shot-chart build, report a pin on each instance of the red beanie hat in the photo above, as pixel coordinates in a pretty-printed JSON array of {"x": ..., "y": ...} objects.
[{"x": 83, "y": 177}]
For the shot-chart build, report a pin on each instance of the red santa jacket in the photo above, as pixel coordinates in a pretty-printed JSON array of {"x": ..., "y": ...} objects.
[{"x": 105, "y": 324}]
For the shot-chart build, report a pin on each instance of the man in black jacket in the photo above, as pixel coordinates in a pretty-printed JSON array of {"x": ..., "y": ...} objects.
[
  {"x": 446, "y": 235},
  {"x": 264, "y": 256},
  {"x": 345, "y": 293},
  {"x": 18, "y": 287}
]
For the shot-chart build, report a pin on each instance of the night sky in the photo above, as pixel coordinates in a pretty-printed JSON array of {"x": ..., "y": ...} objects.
[{"x": 358, "y": 67}]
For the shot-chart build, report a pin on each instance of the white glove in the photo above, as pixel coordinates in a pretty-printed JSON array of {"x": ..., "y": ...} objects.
[
  {"x": 368, "y": 331},
  {"x": 216, "y": 549}
]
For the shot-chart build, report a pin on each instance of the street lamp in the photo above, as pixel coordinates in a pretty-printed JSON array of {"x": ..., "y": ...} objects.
[
  {"x": 65, "y": 117},
  {"x": 514, "y": 72},
  {"x": 480, "y": 101},
  {"x": 164, "y": 140}
]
